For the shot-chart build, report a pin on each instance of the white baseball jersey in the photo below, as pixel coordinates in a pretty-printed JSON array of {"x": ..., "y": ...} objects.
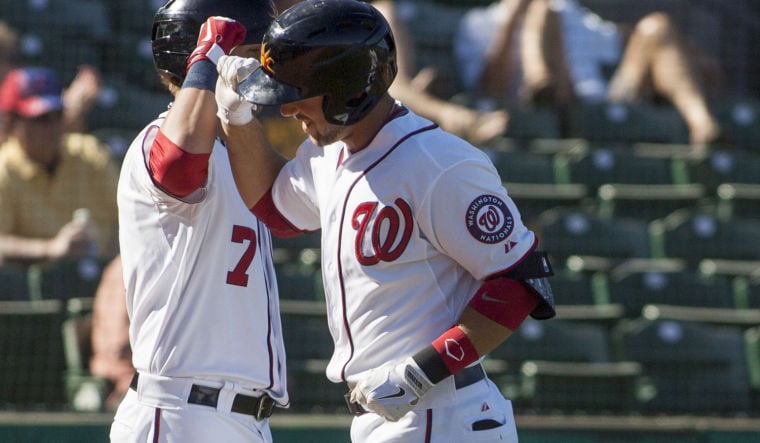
[
  {"x": 201, "y": 290},
  {"x": 411, "y": 225}
]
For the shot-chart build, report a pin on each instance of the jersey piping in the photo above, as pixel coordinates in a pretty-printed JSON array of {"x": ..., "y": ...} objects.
[{"x": 346, "y": 325}]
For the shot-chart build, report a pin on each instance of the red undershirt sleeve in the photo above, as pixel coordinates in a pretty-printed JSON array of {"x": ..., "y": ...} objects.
[
  {"x": 175, "y": 170},
  {"x": 266, "y": 211}
]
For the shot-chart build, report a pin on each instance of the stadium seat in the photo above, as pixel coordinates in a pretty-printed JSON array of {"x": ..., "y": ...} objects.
[
  {"x": 578, "y": 288},
  {"x": 84, "y": 392},
  {"x": 589, "y": 388},
  {"x": 70, "y": 18},
  {"x": 697, "y": 235},
  {"x": 126, "y": 105},
  {"x": 62, "y": 54},
  {"x": 638, "y": 282},
  {"x": 309, "y": 346},
  {"x": 66, "y": 278},
  {"x": 522, "y": 166},
  {"x": 135, "y": 48},
  {"x": 752, "y": 291},
  {"x": 739, "y": 318},
  {"x": 526, "y": 124},
  {"x": 554, "y": 340},
  {"x": 32, "y": 363},
  {"x": 740, "y": 119},
  {"x": 529, "y": 180},
  {"x": 311, "y": 240},
  {"x": 566, "y": 232},
  {"x": 738, "y": 200},
  {"x": 581, "y": 297},
  {"x": 296, "y": 280},
  {"x": 647, "y": 202},
  {"x": 306, "y": 334},
  {"x": 303, "y": 250},
  {"x": 532, "y": 199},
  {"x": 613, "y": 164},
  {"x": 135, "y": 16},
  {"x": 617, "y": 122},
  {"x": 727, "y": 165},
  {"x": 694, "y": 367},
  {"x": 752, "y": 348},
  {"x": 14, "y": 283}
]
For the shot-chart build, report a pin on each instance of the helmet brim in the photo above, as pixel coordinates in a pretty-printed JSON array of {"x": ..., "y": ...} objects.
[{"x": 262, "y": 89}]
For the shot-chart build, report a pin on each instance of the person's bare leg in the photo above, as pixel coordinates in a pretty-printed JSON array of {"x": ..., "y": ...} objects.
[
  {"x": 475, "y": 126},
  {"x": 546, "y": 76},
  {"x": 657, "y": 61}
]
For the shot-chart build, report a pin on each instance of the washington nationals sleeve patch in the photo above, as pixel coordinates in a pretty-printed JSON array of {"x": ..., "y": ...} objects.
[{"x": 488, "y": 219}]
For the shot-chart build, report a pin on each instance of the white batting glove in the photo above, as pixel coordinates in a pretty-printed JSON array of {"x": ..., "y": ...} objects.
[
  {"x": 232, "y": 108},
  {"x": 392, "y": 391}
]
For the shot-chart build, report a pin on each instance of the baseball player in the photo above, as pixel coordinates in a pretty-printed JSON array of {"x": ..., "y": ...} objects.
[
  {"x": 427, "y": 265},
  {"x": 201, "y": 292}
]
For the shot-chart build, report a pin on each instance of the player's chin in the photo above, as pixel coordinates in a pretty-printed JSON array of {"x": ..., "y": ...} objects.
[{"x": 322, "y": 138}]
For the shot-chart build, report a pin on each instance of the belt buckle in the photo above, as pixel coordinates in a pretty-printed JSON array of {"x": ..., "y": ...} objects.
[{"x": 266, "y": 406}]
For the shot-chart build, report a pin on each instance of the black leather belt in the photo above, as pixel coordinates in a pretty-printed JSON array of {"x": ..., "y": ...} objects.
[
  {"x": 466, "y": 377},
  {"x": 259, "y": 407}
]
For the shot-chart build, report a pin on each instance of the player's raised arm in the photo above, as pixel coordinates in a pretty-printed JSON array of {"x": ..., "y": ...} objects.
[
  {"x": 255, "y": 163},
  {"x": 180, "y": 152}
]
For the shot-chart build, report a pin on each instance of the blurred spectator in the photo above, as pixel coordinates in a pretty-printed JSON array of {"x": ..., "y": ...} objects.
[
  {"x": 57, "y": 191},
  {"x": 78, "y": 99},
  {"x": 111, "y": 352},
  {"x": 605, "y": 61},
  {"x": 475, "y": 126}
]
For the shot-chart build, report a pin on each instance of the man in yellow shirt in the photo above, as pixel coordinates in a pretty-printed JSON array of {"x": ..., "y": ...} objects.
[{"x": 57, "y": 191}]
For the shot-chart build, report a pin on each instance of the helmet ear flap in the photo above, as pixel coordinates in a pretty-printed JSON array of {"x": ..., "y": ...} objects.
[
  {"x": 348, "y": 112},
  {"x": 357, "y": 101}
]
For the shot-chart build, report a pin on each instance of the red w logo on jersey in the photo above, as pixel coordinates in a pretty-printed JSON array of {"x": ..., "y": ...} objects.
[{"x": 383, "y": 228}]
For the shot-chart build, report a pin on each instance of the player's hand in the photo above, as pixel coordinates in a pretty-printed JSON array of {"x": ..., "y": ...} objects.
[
  {"x": 217, "y": 37},
  {"x": 232, "y": 108},
  {"x": 392, "y": 391}
]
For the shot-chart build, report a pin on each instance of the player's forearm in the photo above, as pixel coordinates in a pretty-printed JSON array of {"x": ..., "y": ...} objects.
[
  {"x": 484, "y": 333},
  {"x": 496, "y": 310},
  {"x": 191, "y": 122},
  {"x": 255, "y": 163}
]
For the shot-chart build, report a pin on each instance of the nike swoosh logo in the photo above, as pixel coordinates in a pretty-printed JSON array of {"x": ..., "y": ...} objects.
[
  {"x": 400, "y": 393},
  {"x": 487, "y": 297}
]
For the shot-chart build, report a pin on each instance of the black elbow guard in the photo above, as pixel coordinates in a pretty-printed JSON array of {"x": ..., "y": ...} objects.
[{"x": 533, "y": 272}]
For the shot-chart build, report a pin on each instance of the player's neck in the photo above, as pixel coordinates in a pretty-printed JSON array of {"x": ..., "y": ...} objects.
[{"x": 364, "y": 131}]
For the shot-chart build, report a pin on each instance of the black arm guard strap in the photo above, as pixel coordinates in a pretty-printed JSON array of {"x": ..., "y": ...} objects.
[{"x": 533, "y": 272}]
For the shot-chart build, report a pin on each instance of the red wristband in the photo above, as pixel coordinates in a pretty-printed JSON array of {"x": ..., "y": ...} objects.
[
  {"x": 456, "y": 349},
  {"x": 447, "y": 355}
]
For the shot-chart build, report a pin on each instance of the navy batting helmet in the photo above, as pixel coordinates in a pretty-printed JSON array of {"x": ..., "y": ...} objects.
[
  {"x": 177, "y": 23},
  {"x": 342, "y": 50}
]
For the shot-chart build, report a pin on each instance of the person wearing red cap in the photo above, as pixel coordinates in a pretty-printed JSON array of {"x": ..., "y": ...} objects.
[
  {"x": 78, "y": 98},
  {"x": 57, "y": 190}
]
